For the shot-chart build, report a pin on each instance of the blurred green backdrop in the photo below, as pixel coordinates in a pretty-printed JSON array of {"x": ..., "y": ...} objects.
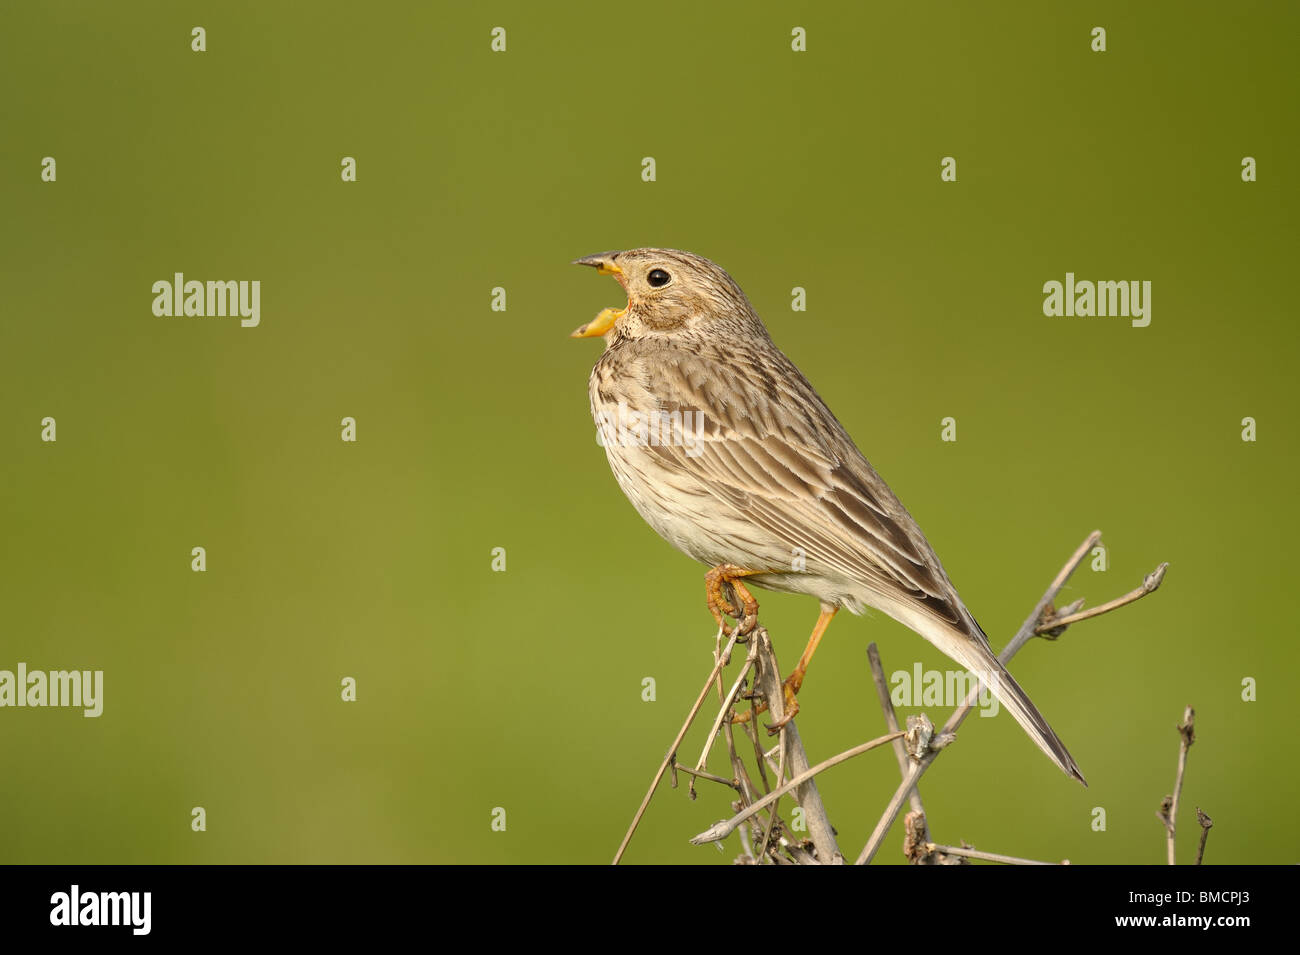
[{"x": 476, "y": 169}]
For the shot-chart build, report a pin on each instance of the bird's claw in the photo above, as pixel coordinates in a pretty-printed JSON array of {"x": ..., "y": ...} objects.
[
  {"x": 791, "y": 707},
  {"x": 788, "y": 690},
  {"x": 745, "y": 625},
  {"x": 746, "y": 614}
]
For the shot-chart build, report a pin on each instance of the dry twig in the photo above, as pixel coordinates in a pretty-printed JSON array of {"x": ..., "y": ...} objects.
[
  {"x": 1206, "y": 823},
  {"x": 1055, "y": 622},
  {"x": 891, "y": 720},
  {"x": 1168, "y": 813},
  {"x": 968, "y": 853},
  {"x": 915, "y": 750},
  {"x": 1027, "y": 631},
  {"x": 672, "y": 750},
  {"x": 723, "y": 829},
  {"x": 793, "y": 755}
]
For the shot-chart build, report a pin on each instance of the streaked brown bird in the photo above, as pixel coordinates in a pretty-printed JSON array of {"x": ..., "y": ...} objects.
[{"x": 726, "y": 450}]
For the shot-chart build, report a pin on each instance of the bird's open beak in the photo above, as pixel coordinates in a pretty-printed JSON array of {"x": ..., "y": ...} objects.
[
  {"x": 603, "y": 322},
  {"x": 599, "y": 325}
]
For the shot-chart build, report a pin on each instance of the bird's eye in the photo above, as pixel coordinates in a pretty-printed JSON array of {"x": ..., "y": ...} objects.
[{"x": 658, "y": 278}]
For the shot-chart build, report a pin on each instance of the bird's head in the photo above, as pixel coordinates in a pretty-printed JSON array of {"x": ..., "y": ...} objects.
[{"x": 668, "y": 292}]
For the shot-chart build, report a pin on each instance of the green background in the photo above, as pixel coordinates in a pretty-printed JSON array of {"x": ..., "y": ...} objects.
[{"x": 477, "y": 169}]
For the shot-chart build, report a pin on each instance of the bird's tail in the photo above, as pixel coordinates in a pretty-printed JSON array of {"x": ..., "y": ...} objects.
[{"x": 974, "y": 654}]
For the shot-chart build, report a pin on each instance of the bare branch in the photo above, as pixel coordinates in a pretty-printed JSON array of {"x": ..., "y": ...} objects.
[
  {"x": 701, "y": 774},
  {"x": 1054, "y": 624},
  {"x": 1168, "y": 813},
  {"x": 672, "y": 750},
  {"x": 916, "y": 843},
  {"x": 1023, "y": 636},
  {"x": 915, "y": 749},
  {"x": 726, "y": 704},
  {"x": 726, "y": 827},
  {"x": 968, "y": 853},
  {"x": 747, "y": 852},
  {"x": 891, "y": 719},
  {"x": 1206, "y": 823},
  {"x": 780, "y": 779},
  {"x": 794, "y": 756},
  {"x": 752, "y": 733}
]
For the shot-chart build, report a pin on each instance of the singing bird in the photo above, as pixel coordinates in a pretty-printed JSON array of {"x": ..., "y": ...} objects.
[{"x": 725, "y": 449}]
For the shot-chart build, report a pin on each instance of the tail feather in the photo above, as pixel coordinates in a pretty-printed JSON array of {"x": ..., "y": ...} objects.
[{"x": 973, "y": 654}]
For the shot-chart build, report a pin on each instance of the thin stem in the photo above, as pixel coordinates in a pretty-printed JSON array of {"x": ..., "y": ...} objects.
[
  {"x": 891, "y": 720},
  {"x": 672, "y": 750},
  {"x": 793, "y": 754},
  {"x": 1169, "y": 807},
  {"x": 984, "y": 856},
  {"x": 726, "y": 705},
  {"x": 758, "y": 753},
  {"x": 701, "y": 774},
  {"x": 1023, "y": 636},
  {"x": 1150, "y": 584},
  {"x": 771, "y": 819},
  {"x": 726, "y": 827},
  {"x": 1206, "y": 822}
]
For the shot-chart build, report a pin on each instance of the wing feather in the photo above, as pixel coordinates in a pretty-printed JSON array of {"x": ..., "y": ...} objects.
[{"x": 775, "y": 455}]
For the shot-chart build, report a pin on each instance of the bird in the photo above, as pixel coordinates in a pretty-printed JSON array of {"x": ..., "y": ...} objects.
[{"x": 728, "y": 452}]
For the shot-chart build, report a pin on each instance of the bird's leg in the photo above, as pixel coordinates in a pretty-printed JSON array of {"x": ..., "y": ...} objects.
[
  {"x": 794, "y": 681},
  {"x": 746, "y": 616}
]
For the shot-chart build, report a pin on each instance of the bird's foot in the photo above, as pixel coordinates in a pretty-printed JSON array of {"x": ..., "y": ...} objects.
[
  {"x": 789, "y": 691},
  {"x": 757, "y": 705},
  {"x": 746, "y": 616}
]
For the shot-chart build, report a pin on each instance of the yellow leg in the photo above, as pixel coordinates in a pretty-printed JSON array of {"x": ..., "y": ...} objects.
[{"x": 794, "y": 681}]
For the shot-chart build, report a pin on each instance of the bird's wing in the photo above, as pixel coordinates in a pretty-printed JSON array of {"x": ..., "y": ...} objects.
[{"x": 771, "y": 450}]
